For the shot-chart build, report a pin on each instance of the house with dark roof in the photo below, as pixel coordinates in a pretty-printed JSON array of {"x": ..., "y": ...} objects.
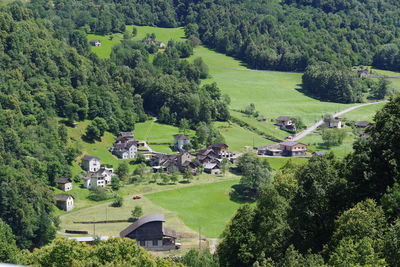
[
  {"x": 293, "y": 149},
  {"x": 213, "y": 167},
  {"x": 95, "y": 42},
  {"x": 180, "y": 140},
  {"x": 90, "y": 163},
  {"x": 150, "y": 233},
  {"x": 362, "y": 73},
  {"x": 64, "y": 202},
  {"x": 64, "y": 184},
  {"x": 285, "y": 123},
  {"x": 285, "y": 149},
  {"x": 363, "y": 124}
]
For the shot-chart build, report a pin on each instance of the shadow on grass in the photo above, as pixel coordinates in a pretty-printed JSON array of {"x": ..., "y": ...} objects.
[
  {"x": 184, "y": 182},
  {"x": 241, "y": 194}
]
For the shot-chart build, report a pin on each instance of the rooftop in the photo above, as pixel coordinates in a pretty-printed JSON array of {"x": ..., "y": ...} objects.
[
  {"x": 63, "y": 197},
  {"x": 143, "y": 220},
  {"x": 89, "y": 157}
]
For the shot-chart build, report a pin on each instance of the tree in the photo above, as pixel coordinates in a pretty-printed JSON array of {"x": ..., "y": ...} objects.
[
  {"x": 390, "y": 202},
  {"x": 137, "y": 212},
  {"x": 255, "y": 173},
  {"x": 9, "y": 252},
  {"x": 225, "y": 165},
  {"x": 319, "y": 199},
  {"x": 115, "y": 183},
  {"x": 118, "y": 202},
  {"x": 183, "y": 125},
  {"x": 381, "y": 89},
  {"x": 236, "y": 246},
  {"x": 333, "y": 137},
  {"x": 123, "y": 171},
  {"x": 113, "y": 252},
  {"x": 194, "y": 258},
  {"x": 165, "y": 178},
  {"x": 92, "y": 132},
  {"x": 392, "y": 244},
  {"x": 134, "y": 31},
  {"x": 187, "y": 175}
]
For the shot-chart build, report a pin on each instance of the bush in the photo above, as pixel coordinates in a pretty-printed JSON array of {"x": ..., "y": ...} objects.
[
  {"x": 118, "y": 202},
  {"x": 137, "y": 212},
  {"x": 99, "y": 194}
]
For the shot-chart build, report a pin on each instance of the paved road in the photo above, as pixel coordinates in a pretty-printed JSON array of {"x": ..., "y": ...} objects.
[{"x": 320, "y": 122}]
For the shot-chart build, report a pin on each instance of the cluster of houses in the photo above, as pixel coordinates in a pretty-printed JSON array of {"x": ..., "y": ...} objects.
[
  {"x": 208, "y": 159},
  {"x": 126, "y": 147},
  {"x": 286, "y": 123}
]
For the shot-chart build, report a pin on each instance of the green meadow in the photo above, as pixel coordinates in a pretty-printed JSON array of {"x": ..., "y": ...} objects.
[
  {"x": 206, "y": 208},
  {"x": 365, "y": 113}
]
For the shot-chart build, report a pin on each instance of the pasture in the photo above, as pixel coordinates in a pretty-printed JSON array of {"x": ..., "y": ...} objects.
[
  {"x": 365, "y": 113},
  {"x": 206, "y": 208}
]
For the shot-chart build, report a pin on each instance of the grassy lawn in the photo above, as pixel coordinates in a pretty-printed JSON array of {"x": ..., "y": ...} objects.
[
  {"x": 365, "y": 113},
  {"x": 237, "y": 137},
  {"x": 267, "y": 127},
  {"x": 154, "y": 132},
  {"x": 205, "y": 207},
  {"x": 277, "y": 163},
  {"x": 314, "y": 142}
]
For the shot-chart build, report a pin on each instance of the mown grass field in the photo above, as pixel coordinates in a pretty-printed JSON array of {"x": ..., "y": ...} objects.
[
  {"x": 154, "y": 132},
  {"x": 365, "y": 113},
  {"x": 206, "y": 208},
  {"x": 277, "y": 163},
  {"x": 315, "y": 143},
  {"x": 237, "y": 137}
]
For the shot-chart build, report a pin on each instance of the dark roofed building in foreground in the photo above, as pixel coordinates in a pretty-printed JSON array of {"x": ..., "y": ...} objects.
[{"x": 150, "y": 233}]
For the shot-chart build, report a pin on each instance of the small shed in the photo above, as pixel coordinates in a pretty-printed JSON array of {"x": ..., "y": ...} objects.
[
  {"x": 64, "y": 184},
  {"x": 95, "y": 42},
  {"x": 64, "y": 202}
]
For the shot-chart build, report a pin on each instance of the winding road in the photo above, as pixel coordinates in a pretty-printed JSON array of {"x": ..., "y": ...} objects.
[{"x": 321, "y": 121}]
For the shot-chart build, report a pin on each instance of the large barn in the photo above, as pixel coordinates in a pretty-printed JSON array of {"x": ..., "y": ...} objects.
[{"x": 150, "y": 233}]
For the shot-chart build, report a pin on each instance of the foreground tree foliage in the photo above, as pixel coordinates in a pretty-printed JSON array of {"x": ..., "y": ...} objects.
[{"x": 113, "y": 252}]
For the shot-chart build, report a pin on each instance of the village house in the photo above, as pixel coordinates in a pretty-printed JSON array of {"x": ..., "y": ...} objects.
[
  {"x": 95, "y": 42},
  {"x": 100, "y": 178},
  {"x": 362, "y": 124},
  {"x": 285, "y": 123},
  {"x": 180, "y": 140},
  {"x": 150, "y": 233},
  {"x": 126, "y": 146},
  {"x": 335, "y": 122},
  {"x": 90, "y": 163},
  {"x": 64, "y": 184},
  {"x": 285, "y": 149},
  {"x": 213, "y": 167},
  {"x": 64, "y": 202},
  {"x": 164, "y": 162},
  {"x": 362, "y": 73}
]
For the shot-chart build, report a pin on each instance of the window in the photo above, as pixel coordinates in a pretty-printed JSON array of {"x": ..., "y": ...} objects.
[
  {"x": 142, "y": 243},
  {"x": 155, "y": 242}
]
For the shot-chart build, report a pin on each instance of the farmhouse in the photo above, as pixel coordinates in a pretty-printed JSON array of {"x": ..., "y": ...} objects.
[
  {"x": 150, "y": 233},
  {"x": 180, "y": 140},
  {"x": 293, "y": 149},
  {"x": 335, "y": 122},
  {"x": 213, "y": 167},
  {"x": 126, "y": 146},
  {"x": 95, "y": 42},
  {"x": 64, "y": 184},
  {"x": 284, "y": 121},
  {"x": 90, "y": 163},
  {"x": 286, "y": 149},
  {"x": 100, "y": 178},
  {"x": 362, "y": 124},
  {"x": 64, "y": 202}
]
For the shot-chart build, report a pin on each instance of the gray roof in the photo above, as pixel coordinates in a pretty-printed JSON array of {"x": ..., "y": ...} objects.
[
  {"x": 289, "y": 143},
  {"x": 62, "y": 197},
  {"x": 89, "y": 157},
  {"x": 320, "y": 153},
  {"x": 62, "y": 180},
  {"x": 363, "y": 123},
  {"x": 88, "y": 238},
  {"x": 283, "y": 118},
  {"x": 143, "y": 220},
  {"x": 181, "y": 137}
]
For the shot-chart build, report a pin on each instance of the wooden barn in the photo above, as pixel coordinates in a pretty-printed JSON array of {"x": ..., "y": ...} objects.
[{"x": 150, "y": 233}]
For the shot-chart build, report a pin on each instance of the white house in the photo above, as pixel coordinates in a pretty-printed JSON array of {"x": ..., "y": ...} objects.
[
  {"x": 125, "y": 150},
  {"x": 95, "y": 42},
  {"x": 90, "y": 163},
  {"x": 64, "y": 184},
  {"x": 64, "y": 202},
  {"x": 336, "y": 123},
  {"x": 180, "y": 140},
  {"x": 100, "y": 178}
]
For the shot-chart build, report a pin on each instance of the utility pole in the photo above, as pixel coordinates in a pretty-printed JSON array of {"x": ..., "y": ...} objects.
[
  {"x": 94, "y": 228},
  {"x": 106, "y": 214},
  {"x": 199, "y": 238}
]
